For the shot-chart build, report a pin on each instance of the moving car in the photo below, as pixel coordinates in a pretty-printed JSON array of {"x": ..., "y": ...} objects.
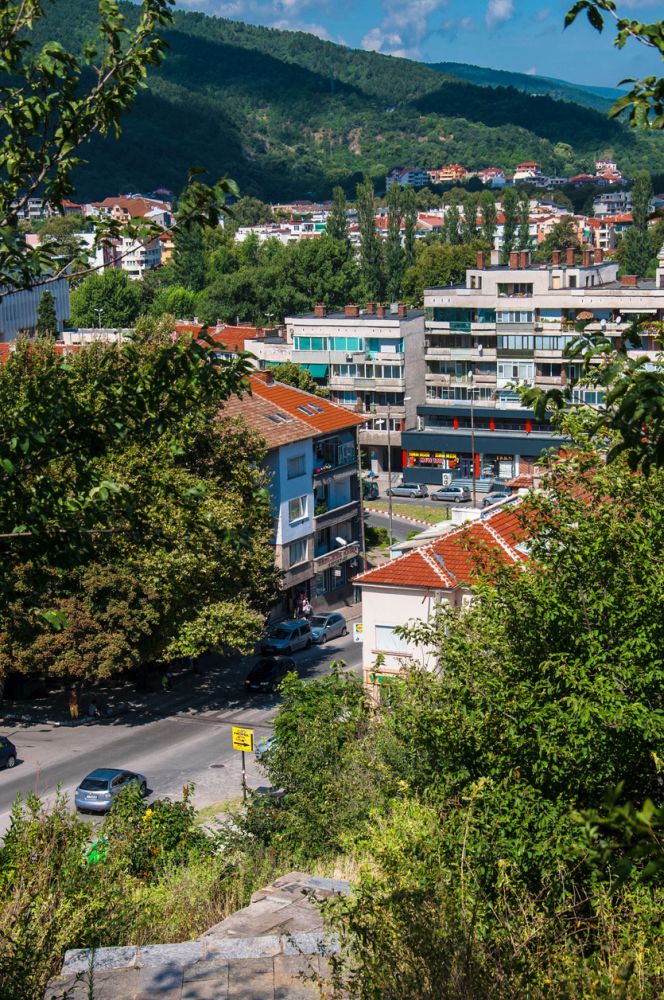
[
  {"x": 98, "y": 789},
  {"x": 267, "y": 674},
  {"x": 408, "y": 490},
  {"x": 497, "y": 493},
  {"x": 7, "y": 752},
  {"x": 288, "y": 637},
  {"x": 265, "y": 745},
  {"x": 324, "y": 627},
  {"x": 453, "y": 494}
]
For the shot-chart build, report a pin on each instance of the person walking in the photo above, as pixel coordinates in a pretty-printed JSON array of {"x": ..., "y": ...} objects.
[
  {"x": 166, "y": 682},
  {"x": 73, "y": 704}
]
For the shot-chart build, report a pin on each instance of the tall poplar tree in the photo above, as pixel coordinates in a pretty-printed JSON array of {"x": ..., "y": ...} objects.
[
  {"x": 451, "y": 231},
  {"x": 409, "y": 208},
  {"x": 337, "y": 220},
  {"x": 489, "y": 217},
  {"x": 523, "y": 235},
  {"x": 370, "y": 249},
  {"x": 469, "y": 224},
  {"x": 47, "y": 319},
  {"x": 189, "y": 256},
  {"x": 511, "y": 213},
  {"x": 635, "y": 251},
  {"x": 394, "y": 254}
]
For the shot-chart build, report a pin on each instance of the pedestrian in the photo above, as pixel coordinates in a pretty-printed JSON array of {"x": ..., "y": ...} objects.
[
  {"x": 73, "y": 704},
  {"x": 93, "y": 711},
  {"x": 166, "y": 682},
  {"x": 306, "y": 607}
]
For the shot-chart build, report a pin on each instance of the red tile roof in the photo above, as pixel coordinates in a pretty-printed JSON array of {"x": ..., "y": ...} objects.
[
  {"x": 457, "y": 558},
  {"x": 258, "y": 414},
  {"x": 326, "y": 416},
  {"x": 232, "y": 337}
]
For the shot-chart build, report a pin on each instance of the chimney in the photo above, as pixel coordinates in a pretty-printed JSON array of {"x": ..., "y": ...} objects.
[
  {"x": 569, "y": 256},
  {"x": 263, "y": 375},
  {"x": 556, "y": 257},
  {"x": 495, "y": 258},
  {"x": 260, "y": 333},
  {"x": 514, "y": 259},
  {"x": 587, "y": 257},
  {"x": 524, "y": 259},
  {"x": 319, "y": 310},
  {"x": 402, "y": 310},
  {"x": 599, "y": 255},
  {"x": 352, "y": 311},
  {"x": 370, "y": 308},
  {"x": 480, "y": 260},
  {"x": 629, "y": 281},
  {"x": 380, "y": 310}
]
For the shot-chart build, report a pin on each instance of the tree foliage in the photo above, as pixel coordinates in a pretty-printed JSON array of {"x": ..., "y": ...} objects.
[
  {"x": 109, "y": 299},
  {"x": 371, "y": 251},
  {"x": 293, "y": 374},
  {"x": 47, "y": 320}
]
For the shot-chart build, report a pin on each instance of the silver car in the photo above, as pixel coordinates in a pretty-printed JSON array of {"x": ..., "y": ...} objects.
[
  {"x": 100, "y": 787},
  {"x": 408, "y": 490},
  {"x": 324, "y": 627},
  {"x": 452, "y": 494},
  {"x": 287, "y": 637}
]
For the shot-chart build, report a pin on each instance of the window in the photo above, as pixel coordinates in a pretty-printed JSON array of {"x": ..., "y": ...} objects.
[
  {"x": 388, "y": 641},
  {"x": 297, "y": 466},
  {"x": 515, "y": 369},
  {"x": 297, "y": 553},
  {"x": 346, "y": 344},
  {"x": 515, "y": 343},
  {"x": 297, "y": 509},
  {"x": 279, "y": 418},
  {"x": 311, "y": 343},
  {"x": 514, "y": 316}
]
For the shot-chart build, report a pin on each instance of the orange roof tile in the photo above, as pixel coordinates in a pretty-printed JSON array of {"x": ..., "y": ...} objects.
[
  {"x": 259, "y": 414},
  {"x": 326, "y": 416},
  {"x": 232, "y": 337},
  {"x": 457, "y": 558}
]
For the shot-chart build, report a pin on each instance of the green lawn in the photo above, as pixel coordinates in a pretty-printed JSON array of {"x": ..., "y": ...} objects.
[{"x": 431, "y": 513}]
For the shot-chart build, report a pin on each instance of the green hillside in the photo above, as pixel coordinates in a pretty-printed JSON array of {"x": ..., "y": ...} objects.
[
  {"x": 286, "y": 114},
  {"x": 598, "y": 98}
]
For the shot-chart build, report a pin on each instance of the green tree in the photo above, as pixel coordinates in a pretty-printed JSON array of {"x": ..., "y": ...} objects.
[
  {"x": 409, "y": 207},
  {"x": 250, "y": 211},
  {"x": 47, "y": 320},
  {"x": 337, "y": 220},
  {"x": 511, "y": 213},
  {"x": 393, "y": 250},
  {"x": 523, "y": 234},
  {"x": 109, "y": 299},
  {"x": 562, "y": 236},
  {"x": 438, "y": 264},
  {"x": 296, "y": 375},
  {"x": 175, "y": 300},
  {"x": 635, "y": 250},
  {"x": 451, "y": 229},
  {"x": 469, "y": 223},
  {"x": 371, "y": 254},
  {"x": 489, "y": 218},
  {"x": 188, "y": 256}
]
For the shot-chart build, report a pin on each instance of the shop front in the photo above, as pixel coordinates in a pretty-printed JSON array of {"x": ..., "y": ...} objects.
[{"x": 335, "y": 570}]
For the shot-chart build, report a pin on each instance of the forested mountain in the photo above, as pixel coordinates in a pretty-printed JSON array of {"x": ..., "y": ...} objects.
[
  {"x": 286, "y": 114},
  {"x": 598, "y": 98}
]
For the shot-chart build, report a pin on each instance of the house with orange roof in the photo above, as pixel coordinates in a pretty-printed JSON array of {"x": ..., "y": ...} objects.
[
  {"x": 412, "y": 587},
  {"x": 312, "y": 464}
]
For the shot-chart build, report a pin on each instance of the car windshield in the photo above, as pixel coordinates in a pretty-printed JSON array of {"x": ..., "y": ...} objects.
[
  {"x": 281, "y": 633},
  {"x": 94, "y": 785},
  {"x": 318, "y": 621}
]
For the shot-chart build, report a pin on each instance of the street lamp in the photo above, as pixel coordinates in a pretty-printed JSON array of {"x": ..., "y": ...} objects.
[
  {"x": 471, "y": 377},
  {"x": 406, "y": 399},
  {"x": 99, "y": 310}
]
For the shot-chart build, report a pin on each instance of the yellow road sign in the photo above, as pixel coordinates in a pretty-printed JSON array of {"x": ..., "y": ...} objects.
[{"x": 243, "y": 739}]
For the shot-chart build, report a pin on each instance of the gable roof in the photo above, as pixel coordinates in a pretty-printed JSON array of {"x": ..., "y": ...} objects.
[
  {"x": 454, "y": 560},
  {"x": 323, "y": 417},
  {"x": 232, "y": 337},
  {"x": 259, "y": 414}
]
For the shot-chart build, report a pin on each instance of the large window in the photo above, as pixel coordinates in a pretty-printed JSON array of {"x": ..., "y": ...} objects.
[
  {"x": 516, "y": 369},
  {"x": 459, "y": 393},
  {"x": 515, "y": 288},
  {"x": 296, "y": 466},
  {"x": 451, "y": 314},
  {"x": 297, "y": 553},
  {"x": 311, "y": 343},
  {"x": 552, "y": 343},
  {"x": 388, "y": 641},
  {"x": 514, "y": 316},
  {"x": 346, "y": 344},
  {"x": 297, "y": 509},
  {"x": 515, "y": 342}
]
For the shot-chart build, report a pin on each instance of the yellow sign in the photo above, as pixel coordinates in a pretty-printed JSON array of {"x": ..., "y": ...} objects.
[{"x": 243, "y": 739}]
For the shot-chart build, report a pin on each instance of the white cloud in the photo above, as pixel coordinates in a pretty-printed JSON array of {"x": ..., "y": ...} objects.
[
  {"x": 499, "y": 11},
  {"x": 452, "y": 26},
  {"x": 403, "y": 27},
  {"x": 532, "y": 71}
]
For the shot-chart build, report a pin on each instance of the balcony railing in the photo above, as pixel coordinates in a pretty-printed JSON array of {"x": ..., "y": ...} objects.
[{"x": 327, "y": 515}]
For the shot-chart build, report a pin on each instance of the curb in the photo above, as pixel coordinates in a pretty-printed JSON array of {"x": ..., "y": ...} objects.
[{"x": 401, "y": 517}]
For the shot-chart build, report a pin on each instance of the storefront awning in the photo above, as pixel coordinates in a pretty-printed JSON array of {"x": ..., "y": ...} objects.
[{"x": 316, "y": 371}]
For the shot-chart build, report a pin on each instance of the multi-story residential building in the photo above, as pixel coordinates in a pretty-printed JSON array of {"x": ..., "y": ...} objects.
[
  {"x": 493, "y": 176},
  {"x": 136, "y": 257},
  {"x": 372, "y": 360},
  {"x": 505, "y": 327},
  {"x": 612, "y": 203},
  {"x": 407, "y": 177},
  {"x": 18, "y": 309},
  {"x": 529, "y": 171},
  {"x": 314, "y": 485},
  {"x": 447, "y": 174}
]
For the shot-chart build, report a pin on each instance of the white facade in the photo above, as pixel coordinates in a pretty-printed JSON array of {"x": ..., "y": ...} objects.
[{"x": 137, "y": 258}]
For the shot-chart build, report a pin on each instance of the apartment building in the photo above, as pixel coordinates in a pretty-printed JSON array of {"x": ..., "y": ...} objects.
[
  {"x": 505, "y": 327},
  {"x": 136, "y": 257},
  {"x": 372, "y": 360},
  {"x": 314, "y": 486},
  {"x": 407, "y": 177}
]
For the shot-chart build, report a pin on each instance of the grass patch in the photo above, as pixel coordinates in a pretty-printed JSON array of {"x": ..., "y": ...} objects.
[
  {"x": 217, "y": 810},
  {"x": 431, "y": 513}
]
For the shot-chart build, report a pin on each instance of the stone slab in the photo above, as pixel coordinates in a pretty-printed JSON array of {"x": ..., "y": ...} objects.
[
  {"x": 78, "y": 959},
  {"x": 251, "y": 979},
  {"x": 206, "y": 989},
  {"x": 170, "y": 954},
  {"x": 233, "y": 948},
  {"x": 206, "y": 969}
]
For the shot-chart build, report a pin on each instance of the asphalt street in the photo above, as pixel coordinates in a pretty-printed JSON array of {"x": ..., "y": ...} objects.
[{"x": 192, "y": 746}]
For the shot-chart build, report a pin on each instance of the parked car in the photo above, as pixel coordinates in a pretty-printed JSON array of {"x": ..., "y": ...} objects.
[
  {"x": 268, "y": 673},
  {"x": 98, "y": 789},
  {"x": 265, "y": 745},
  {"x": 452, "y": 494},
  {"x": 370, "y": 490},
  {"x": 495, "y": 494},
  {"x": 288, "y": 637},
  {"x": 324, "y": 627},
  {"x": 408, "y": 490},
  {"x": 7, "y": 752}
]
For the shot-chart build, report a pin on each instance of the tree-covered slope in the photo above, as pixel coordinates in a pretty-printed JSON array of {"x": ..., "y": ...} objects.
[{"x": 286, "y": 114}]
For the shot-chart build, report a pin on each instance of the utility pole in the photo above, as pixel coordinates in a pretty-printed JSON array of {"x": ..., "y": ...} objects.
[
  {"x": 472, "y": 436},
  {"x": 389, "y": 466}
]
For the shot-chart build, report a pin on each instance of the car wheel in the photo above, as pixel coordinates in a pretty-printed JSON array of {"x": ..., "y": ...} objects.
[
  {"x": 323, "y": 638},
  {"x": 143, "y": 789},
  {"x": 10, "y": 761}
]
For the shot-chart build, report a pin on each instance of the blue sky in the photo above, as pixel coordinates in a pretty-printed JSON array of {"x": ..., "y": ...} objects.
[{"x": 518, "y": 35}]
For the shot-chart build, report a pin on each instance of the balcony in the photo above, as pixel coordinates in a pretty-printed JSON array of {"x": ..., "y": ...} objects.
[{"x": 332, "y": 515}]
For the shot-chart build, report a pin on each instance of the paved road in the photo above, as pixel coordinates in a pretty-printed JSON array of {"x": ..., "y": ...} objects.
[
  {"x": 400, "y": 528},
  {"x": 191, "y": 746}
]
